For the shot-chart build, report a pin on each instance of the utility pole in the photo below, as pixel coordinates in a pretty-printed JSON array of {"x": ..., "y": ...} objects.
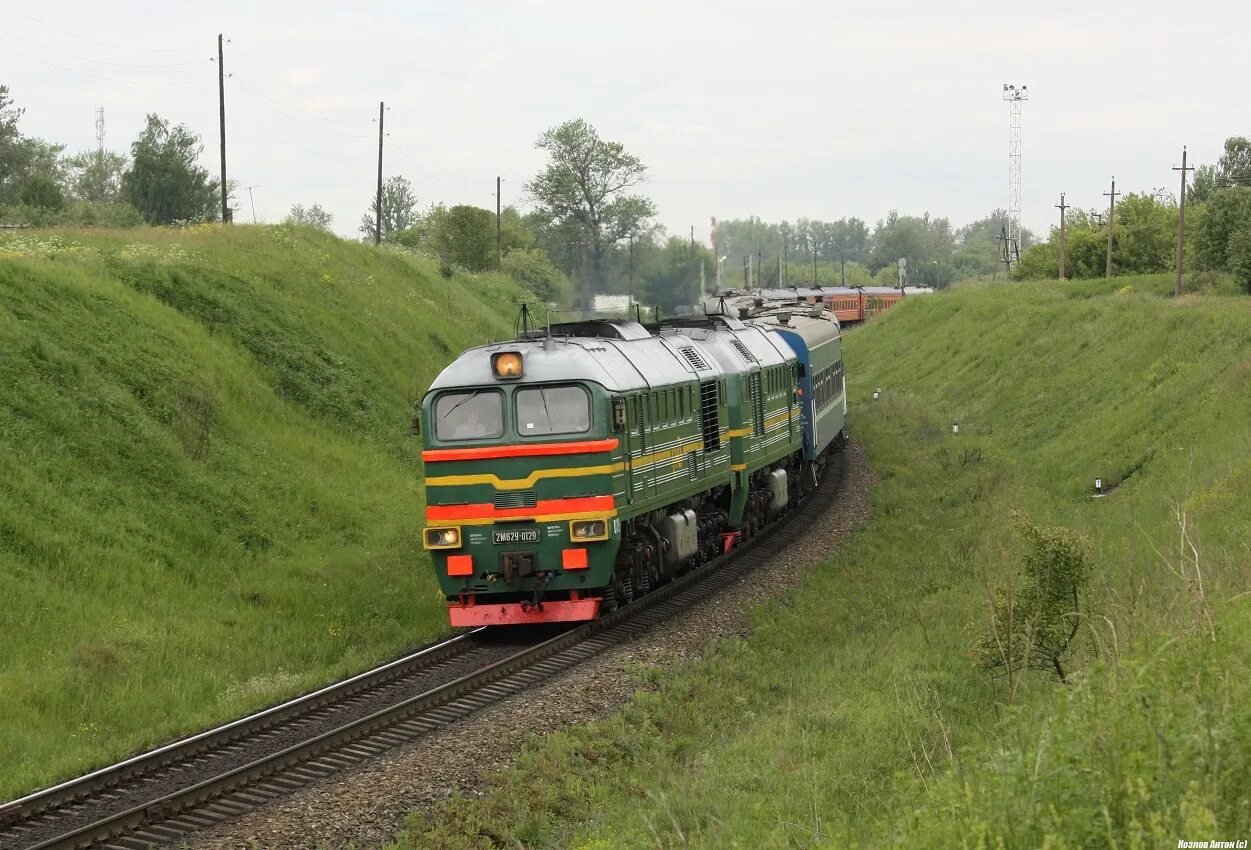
[
  {"x": 1006, "y": 254},
  {"x": 630, "y": 266},
  {"x": 252, "y": 200},
  {"x": 1181, "y": 222},
  {"x": 747, "y": 272},
  {"x": 1062, "y": 207},
  {"x": 221, "y": 106},
  {"x": 815, "y": 283},
  {"x": 692, "y": 251},
  {"x": 588, "y": 301},
  {"x": 716, "y": 251},
  {"x": 784, "y": 271},
  {"x": 1111, "y": 221},
  {"x": 378, "y": 207},
  {"x": 842, "y": 270},
  {"x": 499, "y": 231}
]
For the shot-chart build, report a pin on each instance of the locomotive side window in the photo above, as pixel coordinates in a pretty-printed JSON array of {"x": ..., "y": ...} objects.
[
  {"x": 552, "y": 410},
  {"x": 472, "y": 415}
]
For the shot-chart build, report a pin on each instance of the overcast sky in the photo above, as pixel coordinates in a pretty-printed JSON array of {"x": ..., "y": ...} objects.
[{"x": 779, "y": 110}]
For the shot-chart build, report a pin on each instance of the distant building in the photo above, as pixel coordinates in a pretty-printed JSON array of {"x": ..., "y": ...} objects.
[{"x": 612, "y": 303}]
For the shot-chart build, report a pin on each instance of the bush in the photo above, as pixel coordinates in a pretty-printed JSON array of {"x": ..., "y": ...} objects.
[
  {"x": 532, "y": 269},
  {"x": 81, "y": 213},
  {"x": 42, "y": 191}
]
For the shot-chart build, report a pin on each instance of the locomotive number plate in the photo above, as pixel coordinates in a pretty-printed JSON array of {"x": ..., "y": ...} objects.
[{"x": 519, "y": 535}]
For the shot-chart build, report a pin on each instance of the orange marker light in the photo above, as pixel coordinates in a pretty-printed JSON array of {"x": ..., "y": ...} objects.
[
  {"x": 573, "y": 559},
  {"x": 506, "y": 364},
  {"x": 460, "y": 565}
]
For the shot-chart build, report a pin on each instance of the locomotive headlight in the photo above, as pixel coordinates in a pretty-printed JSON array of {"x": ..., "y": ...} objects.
[
  {"x": 442, "y": 538},
  {"x": 588, "y": 529},
  {"x": 506, "y": 364}
]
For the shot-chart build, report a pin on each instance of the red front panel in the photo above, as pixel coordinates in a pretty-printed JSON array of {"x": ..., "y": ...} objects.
[{"x": 515, "y": 613}]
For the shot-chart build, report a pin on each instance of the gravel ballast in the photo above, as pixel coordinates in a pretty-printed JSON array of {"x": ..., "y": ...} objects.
[{"x": 367, "y": 806}]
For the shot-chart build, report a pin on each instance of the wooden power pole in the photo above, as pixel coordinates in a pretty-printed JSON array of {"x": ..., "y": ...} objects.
[
  {"x": 1181, "y": 223},
  {"x": 784, "y": 273},
  {"x": 221, "y": 106},
  {"x": 378, "y": 200},
  {"x": 1063, "y": 268},
  {"x": 1111, "y": 223},
  {"x": 499, "y": 238},
  {"x": 630, "y": 272}
]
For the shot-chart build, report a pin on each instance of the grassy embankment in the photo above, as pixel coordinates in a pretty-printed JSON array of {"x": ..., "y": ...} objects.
[
  {"x": 210, "y": 497},
  {"x": 855, "y": 714}
]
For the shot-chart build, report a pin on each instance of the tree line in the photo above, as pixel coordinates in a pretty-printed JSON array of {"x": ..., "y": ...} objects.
[
  {"x": 1144, "y": 228},
  {"x": 587, "y": 230},
  {"x": 159, "y": 182}
]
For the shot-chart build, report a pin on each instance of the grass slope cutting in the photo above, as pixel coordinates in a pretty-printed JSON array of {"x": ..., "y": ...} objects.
[
  {"x": 871, "y": 708},
  {"x": 210, "y": 498}
]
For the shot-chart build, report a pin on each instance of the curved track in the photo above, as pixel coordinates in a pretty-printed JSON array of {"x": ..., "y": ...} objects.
[{"x": 164, "y": 795}]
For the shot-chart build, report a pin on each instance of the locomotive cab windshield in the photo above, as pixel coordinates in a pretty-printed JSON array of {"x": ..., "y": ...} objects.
[{"x": 531, "y": 411}]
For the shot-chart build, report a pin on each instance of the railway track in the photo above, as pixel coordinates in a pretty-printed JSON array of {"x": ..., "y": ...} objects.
[{"x": 165, "y": 795}]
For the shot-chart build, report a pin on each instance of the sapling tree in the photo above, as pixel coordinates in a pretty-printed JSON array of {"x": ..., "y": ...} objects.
[{"x": 1036, "y": 617}]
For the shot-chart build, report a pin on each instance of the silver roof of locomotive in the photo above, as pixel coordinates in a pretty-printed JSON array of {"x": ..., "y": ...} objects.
[
  {"x": 625, "y": 356},
  {"x": 619, "y": 365}
]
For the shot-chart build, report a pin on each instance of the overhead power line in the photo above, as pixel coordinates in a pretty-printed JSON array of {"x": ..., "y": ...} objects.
[
  {"x": 100, "y": 43},
  {"x": 287, "y": 113},
  {"x": 102, "y": 61},
  {"x": 102, "y": 76},
  {"x": 420, "y": 169},
  {"x": 305, "y": 95}
]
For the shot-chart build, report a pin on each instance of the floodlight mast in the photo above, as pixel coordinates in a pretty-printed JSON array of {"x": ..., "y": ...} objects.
[{"x": 1015, "y": 97}]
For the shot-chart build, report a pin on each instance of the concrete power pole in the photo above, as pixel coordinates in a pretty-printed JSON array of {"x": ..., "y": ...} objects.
[
  {"x": 499, "y": 231},
  {"x": 1111, "y": 221},
  {"x": 1181, "y": 222},
  {"x": 1063, "y": 248}
]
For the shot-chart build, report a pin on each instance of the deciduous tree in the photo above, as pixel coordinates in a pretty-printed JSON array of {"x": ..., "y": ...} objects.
[
  {"x": 311, "y": 216},
  {"x": 165, "y": 181},
  {"x": 399, "y": 208},
  {"x": 584, "y": 192},
  {"x": 22, "y": 157},
  {"x": 96, "y": 176}
]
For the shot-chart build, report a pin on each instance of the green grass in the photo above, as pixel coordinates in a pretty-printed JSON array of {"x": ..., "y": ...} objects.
[
  {"x": 854, "y": 715},
  {"x": 210, "y": 497}
]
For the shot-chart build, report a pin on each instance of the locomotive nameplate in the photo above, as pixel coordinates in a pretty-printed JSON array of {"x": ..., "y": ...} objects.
[{"x": 516, "y": 535}]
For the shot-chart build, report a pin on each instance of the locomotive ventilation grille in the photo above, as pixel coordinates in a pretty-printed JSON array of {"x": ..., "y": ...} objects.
[
  {"x": 516, "y": 499},
  {"x": 743, "y": 350},
  {"x": 693, "y": 356}
]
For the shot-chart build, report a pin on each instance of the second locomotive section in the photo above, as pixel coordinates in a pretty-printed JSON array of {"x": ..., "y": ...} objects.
[{"x": 572, "y": 469}]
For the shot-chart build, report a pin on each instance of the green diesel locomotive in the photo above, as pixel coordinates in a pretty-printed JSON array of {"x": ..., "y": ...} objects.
[{"x": 570, "y": 470}]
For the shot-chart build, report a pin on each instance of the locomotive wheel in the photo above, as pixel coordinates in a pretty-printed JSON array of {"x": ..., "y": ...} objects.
[
  {"x": 623, "y": 588},
  {"x": 611, "y": 601},
  {"x": 642, "y": 583}
]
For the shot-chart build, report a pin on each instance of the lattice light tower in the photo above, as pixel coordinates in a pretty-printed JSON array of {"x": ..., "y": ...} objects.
[{"x": 1015, "y": 96}]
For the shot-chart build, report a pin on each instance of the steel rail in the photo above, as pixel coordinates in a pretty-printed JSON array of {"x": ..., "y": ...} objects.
[
  {"x": 49, "y": 799},
  {"x": 173, "y": 816}
]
